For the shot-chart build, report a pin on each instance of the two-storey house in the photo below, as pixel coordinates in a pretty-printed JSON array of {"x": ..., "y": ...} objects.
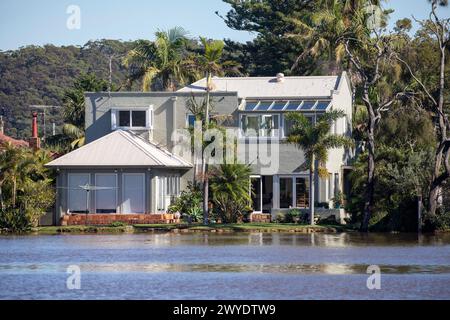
[{"x": 131, "y": 164}]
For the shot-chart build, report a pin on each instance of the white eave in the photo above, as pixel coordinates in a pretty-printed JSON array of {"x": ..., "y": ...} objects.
[{"x": 120, "y": 149}]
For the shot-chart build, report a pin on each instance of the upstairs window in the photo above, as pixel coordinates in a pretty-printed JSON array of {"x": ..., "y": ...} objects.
[
  {"x": 266, "y": 125},
  {"x": 136, "y": 118}
]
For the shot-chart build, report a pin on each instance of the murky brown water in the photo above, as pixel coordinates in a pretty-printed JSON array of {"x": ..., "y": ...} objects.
[{"x": 225, "y": 266}]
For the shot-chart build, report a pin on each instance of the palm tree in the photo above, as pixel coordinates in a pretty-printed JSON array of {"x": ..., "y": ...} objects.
[
  {"x": 209, "y": 64},
  {"x": 73, "y": 103},
  {"x": 316, "y": 140},
  {"x": 75, "y": 134},
  {"x": 325, "y": 28},
  {"x": 229, "y": 186},
  {"x": 162, "y": 63}
]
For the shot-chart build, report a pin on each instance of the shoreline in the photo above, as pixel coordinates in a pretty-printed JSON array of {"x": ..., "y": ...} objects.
[
  {"x": 185, "y": 229},
  {"x": 198, "y": 228}
]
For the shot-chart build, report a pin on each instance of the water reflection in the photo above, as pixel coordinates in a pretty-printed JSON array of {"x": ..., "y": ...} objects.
[{"x": 262, "y": 265}]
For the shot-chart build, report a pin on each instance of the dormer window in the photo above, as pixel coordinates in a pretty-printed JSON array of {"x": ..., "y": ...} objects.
[{"x": 132, "y": 118}]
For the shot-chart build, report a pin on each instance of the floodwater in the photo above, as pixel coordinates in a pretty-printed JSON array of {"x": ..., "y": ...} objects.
[{"x": 225, "y": 266}]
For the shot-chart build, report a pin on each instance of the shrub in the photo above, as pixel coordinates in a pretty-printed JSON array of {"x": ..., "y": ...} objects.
[
  {"x": 280, "y": 217},
  {"x": 188, "y": 204},
  {"x": 292, "y": 216},
  {"x": 14, "y": 220},
  {"x": 440, "y": 221},
  {"x": 194, "y": 214}
]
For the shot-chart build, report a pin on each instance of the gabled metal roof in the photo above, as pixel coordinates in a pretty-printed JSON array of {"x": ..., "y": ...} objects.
[
  {"x": 269, "y": 87},
  {"x": 120, "y": 149}
]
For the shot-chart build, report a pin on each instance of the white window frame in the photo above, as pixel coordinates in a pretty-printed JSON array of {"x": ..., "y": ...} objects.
[
  {"x": 149, "y": 118},
  {"x": 260, "y": 188},
  {"x": 260, "y": 115},
  {"x": 117, "y": 188},
  {"x": 158, "y": 195},
  {"x": 143, "y": 189},
  {"x": 294, "y": 188}
]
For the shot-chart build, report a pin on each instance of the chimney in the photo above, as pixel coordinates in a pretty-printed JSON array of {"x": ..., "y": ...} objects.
[
  {"x": 2, "y": 125},
  {"x": 34, "y": 141},
  {"x": 280, "y": 77}
]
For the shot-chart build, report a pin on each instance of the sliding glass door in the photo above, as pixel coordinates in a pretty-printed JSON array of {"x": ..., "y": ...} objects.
[
  {"x": 294, "y": 192},
  {"x": 133, "y": 193},
  {"x": 77, "y": 197},
  {"x": 106, "y": 195}
]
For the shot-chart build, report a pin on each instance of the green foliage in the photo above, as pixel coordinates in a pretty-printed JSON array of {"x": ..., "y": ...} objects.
[
  {"x": 229, "y": 185},
  {"x": 271, "y": 52},
  {"x": 73, "y": 100},
  {"x": 14, "y": 220},
  {"x": 338, "y": 200},
  {"x": 315, "y": 139},
  {"x": 400, "y": 176},
  {"x": 164, "y": 64},
  {"x": 117, "y": 224},
  {"x": 36, "y": 75},
  {"x": 25, "y": 185},
  {"x": 292, "y": 216},
  {"x": 188, "y": 204}
]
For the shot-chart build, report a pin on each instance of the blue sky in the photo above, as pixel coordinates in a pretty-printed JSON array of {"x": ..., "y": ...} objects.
[{"x": 24, "y": 22}]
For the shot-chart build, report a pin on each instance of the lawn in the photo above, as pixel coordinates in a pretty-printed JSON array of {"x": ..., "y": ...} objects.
[{"x": 233, "y": 227}]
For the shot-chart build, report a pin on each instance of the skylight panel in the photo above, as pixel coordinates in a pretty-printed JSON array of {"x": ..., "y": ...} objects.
[
  {"x": 323, "y": 105},
  {"x": 308, "y": 105},
  {"x": 293, "y": 105},
  {"x": 278, "y": 105},
  {"x": 251, "y": 105},
  {"x": 264, "y": 106}
]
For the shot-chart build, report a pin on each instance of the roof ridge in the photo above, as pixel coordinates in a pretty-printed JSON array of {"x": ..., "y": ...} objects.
[
  {"x": 167, "y": 152},
  {"x": 125, "y": 133}
]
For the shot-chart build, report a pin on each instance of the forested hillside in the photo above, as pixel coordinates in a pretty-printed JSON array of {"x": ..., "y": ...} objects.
[{"x": 39, "y": 75}]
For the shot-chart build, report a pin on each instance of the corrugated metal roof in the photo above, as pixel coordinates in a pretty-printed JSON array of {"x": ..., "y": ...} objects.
[
  {"x": 18, "y": 143},
  {"x": 120, "y": 149},
  {"x": 261, "y": 87}
]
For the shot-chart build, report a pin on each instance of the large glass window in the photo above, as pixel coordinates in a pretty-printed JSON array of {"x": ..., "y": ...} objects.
[
  {"x": 138, "y": 118},
  {"x": 124, "y": 119},
  {"x": 266, "y": 125},
  {"x": 77, "y": 196},
  {"x": 132, "y": 118},
  {"x": 106, "y": 195},
  {"x": 285, "y": 192},
  {"x": 133, "y": 193},
  {"x": 168, "y": 189}
]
